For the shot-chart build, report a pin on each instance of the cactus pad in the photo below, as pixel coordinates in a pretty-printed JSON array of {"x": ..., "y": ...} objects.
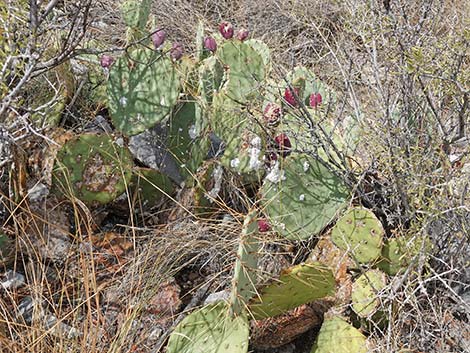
[
  {"x": 210, "y": 330},
  {"x": 211, "y": 74},
  {"x": 150, "y": 186},
  {"x": 246, "y": 70},
  {"x": 244, "y": 145},
  {"x": 186, "y": 140},
  {"x": 244, "y": 279},
  {"x": 135, "y": 13},
  {"x": 297, "y": 285},
  {"x": 364, "y": 292},
  {"x": 93, "y": 168},
  {"x": 262, "y": 49},
  {"x": 360, "y": 233},
  {"x": 337, "y": 336},
  {"x": 143, "y": 87},
  {"x": 301, "y": 196},
  {"x": 397, "y": 253}
]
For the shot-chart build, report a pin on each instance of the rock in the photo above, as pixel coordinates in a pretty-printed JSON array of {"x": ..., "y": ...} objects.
[
  {"x": 12, "y": 280},
  {"x": 149, "y": 148}
]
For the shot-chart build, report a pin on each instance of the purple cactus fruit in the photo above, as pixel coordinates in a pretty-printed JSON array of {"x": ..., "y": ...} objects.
[
  {"x": 290, "y": 94},
  {"x": 226, "y": 30},
  {"x": 272, "y": 113},
  {"x": 263, "y": 226},
  {"x": 315, "y": 100},
  {"x": 176, "y": 51},
  {"x": 106, "y": 61},
  {"x": 283, "y": 144},
  {"x": 210, "y": 44},
  {"x": 242, "y": 34},
  {"x": 158, "y": 38}
]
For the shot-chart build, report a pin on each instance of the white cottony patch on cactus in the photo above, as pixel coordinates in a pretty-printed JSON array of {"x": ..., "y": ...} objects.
[
  {"x": 234, "y": 163},
  {"x": 123, "y": 101},
  {"x": 255, "y": 151},
  {"x": 306, "y": 166},
  {"x": 217, "y": 175},
  {"x": 275, "y": 174},
  {"x": 302, "y": 197},
  {"x": 192, "y": 132}
]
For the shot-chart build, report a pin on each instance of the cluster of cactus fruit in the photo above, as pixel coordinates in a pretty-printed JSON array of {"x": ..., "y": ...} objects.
[{"x": 226, "y": 89}]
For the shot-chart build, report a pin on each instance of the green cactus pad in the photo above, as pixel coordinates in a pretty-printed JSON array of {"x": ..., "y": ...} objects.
[
  {"x": 143, "y": 87},
  {"x": 187, "y": 140},
  {"x": 210, "y": 330},
  {"x": 360, "y": 233},
  {"x": 337, "y": 336},
  {"x": 364, "y": 292},
  {"x": 93, "y": 168},
  {"x": 244, "y": 278},
  {"x": 150, "y": 186},
  {"x": 135, "y": 13},
  {"x": 246, "y": 70},
  {"x": 262, "y": 49},
  {"x": 297, "y": 285},
  {"x": 301, "y": 196},
  {"x": 397, "y": 253},
  {"x": 211, "y": 74},
  {"x": 244, "y": 146}
]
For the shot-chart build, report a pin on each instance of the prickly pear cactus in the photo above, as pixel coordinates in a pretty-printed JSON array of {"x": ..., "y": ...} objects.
[
  {"x": 150, "y": 186},
  {"x": 210, "y": 330},
  {"x": 364, "y": 292},
  {"x": 136, "y": 12},
  {"x": 301, "y": 196},
  {"x": 187, "y": 140},
  {"x": 243, "y": 143},
  {"x": 360, "y": 233},
  {"x": 200, "y": 41},
  {"x": 211, "y": 74},
  {"x": 244, "y": 278},
  {"x": 337, "y": 336},
  {"x": 93, "y": 168},
  {"x": 297, "y": 285},
  {"x": 397, "y": 253},
  {"x": 262, "y": 49},
  {"x": 246, "y": 70},
  {"x": 143, "y": 87}
]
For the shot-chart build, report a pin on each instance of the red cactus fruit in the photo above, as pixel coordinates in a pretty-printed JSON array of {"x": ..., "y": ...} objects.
[
  {"x": 272, "y": 113},
  {"x": 283, "y": 144},
  {"x": 226, "y": 30},
  {"x": 158, "y": 38},
  {"x": 290, "y": 94},
  {"x": 106, "y": 61},
  {"x": 210, "y": 44},
  {"x": 315, "y": 99},
  {"x": 176, "y": 51},
  {"x": 243, "y": 34},
  {"x": 263, "y": 226}
]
